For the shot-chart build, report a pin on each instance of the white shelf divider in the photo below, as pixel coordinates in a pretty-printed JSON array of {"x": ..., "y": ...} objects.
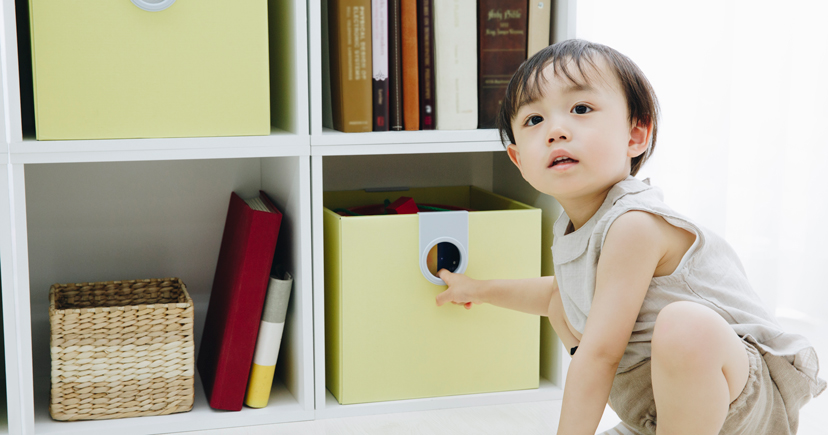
[
  {"x": 21, "y": 389},
  {"x": 11, "y": 119},
  {"x": 10, "y": 408}
]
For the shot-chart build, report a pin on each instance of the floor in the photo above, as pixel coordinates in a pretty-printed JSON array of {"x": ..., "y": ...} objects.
[{"x": 518, "y": 419}]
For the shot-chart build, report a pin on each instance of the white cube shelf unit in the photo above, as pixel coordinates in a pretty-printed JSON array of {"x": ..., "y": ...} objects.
[
  {"x": 348, "y": 161},
  {"x": 96, "y": 210},
  {"x": 92, "y": 210}
]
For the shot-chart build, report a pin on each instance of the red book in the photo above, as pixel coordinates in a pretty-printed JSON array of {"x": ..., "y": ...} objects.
[{"x": 237, "y": 299}]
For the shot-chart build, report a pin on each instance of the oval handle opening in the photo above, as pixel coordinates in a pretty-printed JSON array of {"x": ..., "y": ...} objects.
[
  {"x": 443, "y": 255},
  {"x": 153, "y": 5}
]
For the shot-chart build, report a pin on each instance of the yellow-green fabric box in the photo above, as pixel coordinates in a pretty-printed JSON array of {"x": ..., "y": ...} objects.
[
  {"x": 385, "y": 337},
  {"x": 105, "y": 69}
]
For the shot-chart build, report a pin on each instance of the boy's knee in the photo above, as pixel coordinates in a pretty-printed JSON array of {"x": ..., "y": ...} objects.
[{"x": 684, "y": 331}]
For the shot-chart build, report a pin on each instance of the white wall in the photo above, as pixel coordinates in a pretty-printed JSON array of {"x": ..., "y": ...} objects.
[{"x": 742, "y": 145}]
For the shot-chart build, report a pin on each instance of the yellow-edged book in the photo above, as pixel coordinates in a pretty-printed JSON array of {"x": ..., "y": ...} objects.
[{"x": 269, "y": 340}]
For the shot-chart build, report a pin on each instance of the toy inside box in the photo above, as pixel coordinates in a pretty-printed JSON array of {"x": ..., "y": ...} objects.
[
  {"x": 385, "y": 337},
  {"x": 121, "y": 349},
  {"x": 105, "y": 69}
]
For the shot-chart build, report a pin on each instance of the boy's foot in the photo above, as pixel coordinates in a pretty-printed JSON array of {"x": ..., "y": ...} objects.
[{"x": 621, "y": 429}]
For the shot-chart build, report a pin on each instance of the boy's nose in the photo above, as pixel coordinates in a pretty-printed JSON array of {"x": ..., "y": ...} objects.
[{"x": 559, "y": 134}]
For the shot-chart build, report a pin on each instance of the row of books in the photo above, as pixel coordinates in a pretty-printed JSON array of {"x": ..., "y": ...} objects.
[
  {"x": 425, "y": 64},
  {"x": 247, "y": 310}
]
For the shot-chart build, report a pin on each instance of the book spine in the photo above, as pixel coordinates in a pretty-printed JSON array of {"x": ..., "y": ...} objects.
[
  {"x": 268, "y": 341},
  {"x": 502, "y": 26},
  {"x": 239, "y": 287},
  {"x": 455, "y": 64},
  {"x": 540, "y": 18},
  {"x": 395, "y": 82},
  {"x": 351, "y": 66},
  {"x": 425, "y": 45},
  {"x": 410, "y": 70},
  {"x": 327, "y": 100},
  {"x": 379, "y": 47}
]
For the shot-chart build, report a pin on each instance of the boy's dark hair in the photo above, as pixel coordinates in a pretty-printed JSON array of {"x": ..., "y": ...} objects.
[{"x": 526, "y": 86}]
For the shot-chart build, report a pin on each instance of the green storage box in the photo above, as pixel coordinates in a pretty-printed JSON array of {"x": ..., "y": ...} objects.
[
  {"x": 108, "y": 69},
  {"x": 385, "y": 337}
]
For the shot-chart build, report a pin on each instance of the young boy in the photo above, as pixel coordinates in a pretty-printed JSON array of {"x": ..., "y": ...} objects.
[{"x": 657, "y": 310}]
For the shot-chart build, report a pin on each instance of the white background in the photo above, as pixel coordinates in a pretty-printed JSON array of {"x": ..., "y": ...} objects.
[{"x": 742, "y": 145}]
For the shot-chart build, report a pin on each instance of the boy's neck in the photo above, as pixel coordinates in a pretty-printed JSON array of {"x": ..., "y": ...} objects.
[{"x": 580, "y": 210}]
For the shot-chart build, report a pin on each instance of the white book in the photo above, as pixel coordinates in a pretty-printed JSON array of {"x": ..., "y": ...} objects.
[
  {"x": 455, "y": 64},
  {"x": 540, "y": 17}
]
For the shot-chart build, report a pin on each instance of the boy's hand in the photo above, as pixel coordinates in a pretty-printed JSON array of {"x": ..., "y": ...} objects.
[{"x": 461, "y": 290}]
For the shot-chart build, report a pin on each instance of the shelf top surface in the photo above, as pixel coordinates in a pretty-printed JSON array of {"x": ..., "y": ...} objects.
[
  {"x": 334, "y": 137},
  {"x": 277, "y": 144}
]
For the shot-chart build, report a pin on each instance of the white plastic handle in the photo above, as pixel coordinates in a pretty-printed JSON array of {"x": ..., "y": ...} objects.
[{"x": 153, "y": 5}]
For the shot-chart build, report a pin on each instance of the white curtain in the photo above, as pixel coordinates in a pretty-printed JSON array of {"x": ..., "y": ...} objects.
[{"x": 743, "y": 140}]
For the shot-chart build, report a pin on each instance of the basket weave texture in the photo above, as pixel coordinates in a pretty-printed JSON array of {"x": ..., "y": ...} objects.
[{"x": 121, "y": 349}]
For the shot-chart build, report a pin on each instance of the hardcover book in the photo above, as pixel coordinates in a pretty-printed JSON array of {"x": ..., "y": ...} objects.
[
  {"x": 239, "y": 287},
  {"x": 395, "y": 80},
  {"x": 351, "y": 65},
  {"x": 502, "y": 32},
  {"x": 540, "y": 18},
  {"x": 410, "y": 68},
  {"x": 379, "y": 47},
  {"x": 425, "y": 44},
  {"x": 455, "y": 64}
]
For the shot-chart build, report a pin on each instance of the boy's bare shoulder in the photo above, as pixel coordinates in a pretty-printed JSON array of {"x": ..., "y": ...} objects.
[{"x": 644, "y": 231}]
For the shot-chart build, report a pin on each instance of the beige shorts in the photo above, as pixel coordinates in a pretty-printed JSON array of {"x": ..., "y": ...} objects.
[{"x": 769, "y": 404}]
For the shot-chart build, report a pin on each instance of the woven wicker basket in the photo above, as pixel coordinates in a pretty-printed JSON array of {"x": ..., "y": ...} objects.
[{"x": 121, "y": 349}]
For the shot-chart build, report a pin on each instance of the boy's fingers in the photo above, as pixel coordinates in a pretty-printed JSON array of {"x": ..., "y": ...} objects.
[
  {"x": 443, "y": 274},
  {"x": 442, "y": 298}
]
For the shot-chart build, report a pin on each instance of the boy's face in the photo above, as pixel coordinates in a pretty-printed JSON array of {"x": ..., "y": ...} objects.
[{"x": 576, "y": 140}]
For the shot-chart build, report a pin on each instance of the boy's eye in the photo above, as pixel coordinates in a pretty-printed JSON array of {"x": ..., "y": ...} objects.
[
  {"x": 534, "y": 120},
  {"x": 581, "y": 109}
]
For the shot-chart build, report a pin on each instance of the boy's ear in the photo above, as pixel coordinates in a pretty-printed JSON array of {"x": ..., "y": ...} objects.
[
  {"x": 639, "y": 138},
  {"x": 514, "y": 155}
]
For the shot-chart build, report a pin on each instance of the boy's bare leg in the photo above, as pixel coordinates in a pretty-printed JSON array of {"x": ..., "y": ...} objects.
[{"x": 699, "y": 366}]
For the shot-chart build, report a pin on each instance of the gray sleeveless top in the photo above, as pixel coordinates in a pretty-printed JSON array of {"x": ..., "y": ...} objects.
[{"x": 709, "y": 274}]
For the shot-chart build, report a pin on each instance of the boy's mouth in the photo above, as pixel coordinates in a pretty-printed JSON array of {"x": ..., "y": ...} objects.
[{"x": 562, "y": 161}]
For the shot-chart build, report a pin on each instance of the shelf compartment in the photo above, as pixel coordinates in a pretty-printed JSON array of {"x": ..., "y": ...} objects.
[
  {"x": 385, "y": 337},
  {"x": 288, "y": 100},
  {"x": 127, "y": 220},
  {"x": 487, "y": 170}
]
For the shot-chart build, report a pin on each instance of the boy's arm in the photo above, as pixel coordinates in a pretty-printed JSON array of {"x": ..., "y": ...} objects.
[
  {"x": 538, "y": 296},
  {"x": 530, "y": 295},
  {"x": 632, "y": 250}
]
